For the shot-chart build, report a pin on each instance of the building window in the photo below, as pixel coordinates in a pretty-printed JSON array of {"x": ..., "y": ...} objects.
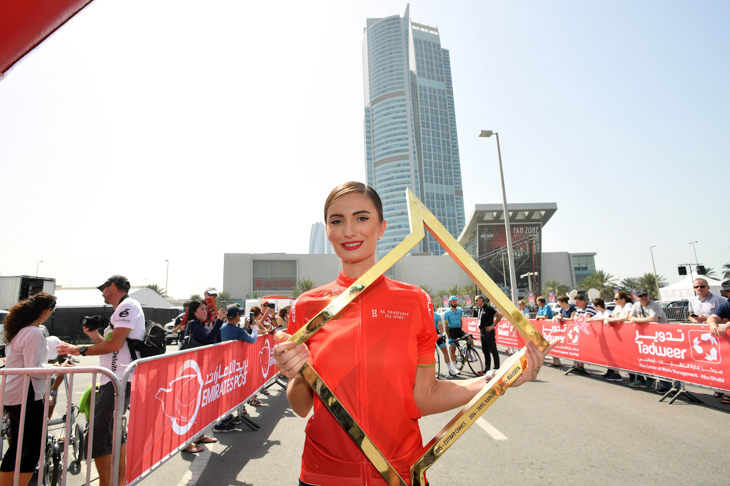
[{"x": 274, "y": 275}]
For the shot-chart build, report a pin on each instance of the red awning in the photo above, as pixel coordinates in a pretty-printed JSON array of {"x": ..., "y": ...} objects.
[{"x": 24, "y": 24}]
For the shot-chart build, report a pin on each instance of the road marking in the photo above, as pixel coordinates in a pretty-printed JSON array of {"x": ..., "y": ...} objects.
[{"x": 490, "y": 429}]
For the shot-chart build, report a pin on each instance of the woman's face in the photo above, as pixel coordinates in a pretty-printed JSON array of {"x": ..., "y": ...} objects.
[
  {"x": 201, "y": 313},
  {"x": 353, "y": 228}
]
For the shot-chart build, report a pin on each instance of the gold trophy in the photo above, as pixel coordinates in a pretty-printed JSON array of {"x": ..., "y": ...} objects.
[{"x": 420, "y": 220}]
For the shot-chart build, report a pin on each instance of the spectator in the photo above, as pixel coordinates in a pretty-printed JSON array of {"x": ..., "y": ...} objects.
[
  {"x": 486, "y": 315},
  {"x": 207, "y": 335},
  {"x": 523, "y": 308},
  {"x": 269, "y": 316},
  {"x": 230, "y": 330},
  {"x": 282, "y": 320},
  {"x": 567, "y": 312},
  {"x": 643, "y": 312},
  {"x": 196, "y": 325},
  {"x": 719, "y": 322},
  {"x": 647, "y": 310},
  {"x": 127, "y": 321},
  {"x": 544, "y": 311},
  {"x": 704, "y": 304},
  {"x": 26, "y": 348},
  {"x": 583, "y": 308},
  {"x": 178, "y": 326},
  {"x": 620, "y": 313},
  {"x": 258, "y": 320}
]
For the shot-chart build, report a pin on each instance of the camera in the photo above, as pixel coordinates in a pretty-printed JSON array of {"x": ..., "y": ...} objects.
[{"x": 94, "y": 322}]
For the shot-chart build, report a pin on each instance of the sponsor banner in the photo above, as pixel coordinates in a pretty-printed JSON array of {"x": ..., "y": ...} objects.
[
  {"x": 683, "y": 352},
  {"x": 177, "y": 396}
]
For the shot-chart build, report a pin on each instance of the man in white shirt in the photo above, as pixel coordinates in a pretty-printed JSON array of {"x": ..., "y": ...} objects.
[
  {"x": 704, "y": 304},
  {"x": 127, "y": 321}
]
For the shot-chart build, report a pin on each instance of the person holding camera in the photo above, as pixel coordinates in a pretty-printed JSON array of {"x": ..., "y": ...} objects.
[
  {"x": 26, "y": 348},
  {"x": 127, "y": 321}
]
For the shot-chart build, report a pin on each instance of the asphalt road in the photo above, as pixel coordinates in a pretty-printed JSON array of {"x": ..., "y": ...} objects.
[{"x": 556, "y": 430}]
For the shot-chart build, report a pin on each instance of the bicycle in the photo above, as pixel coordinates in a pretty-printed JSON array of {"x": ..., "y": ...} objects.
[{"x": 466, "y": 353}]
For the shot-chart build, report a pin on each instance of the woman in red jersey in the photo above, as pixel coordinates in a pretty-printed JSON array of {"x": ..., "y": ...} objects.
[{"x": 377, "y": 357}]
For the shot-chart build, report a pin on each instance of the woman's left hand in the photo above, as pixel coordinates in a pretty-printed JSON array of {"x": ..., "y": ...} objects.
[{"x": 535, "y": 359}]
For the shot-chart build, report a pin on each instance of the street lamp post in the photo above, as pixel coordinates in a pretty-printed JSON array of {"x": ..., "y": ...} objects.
[
  {"x": 697, "y": 262},
  {"x": 510, "y": 252},
  {"x": 656, "y": 280},
  {"x": 167, "y": 276}
]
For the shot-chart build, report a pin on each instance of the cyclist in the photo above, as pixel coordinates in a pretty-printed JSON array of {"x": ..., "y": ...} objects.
[
  {"x": 453, "y": 318},
  {"x": 441, "y": 343}
]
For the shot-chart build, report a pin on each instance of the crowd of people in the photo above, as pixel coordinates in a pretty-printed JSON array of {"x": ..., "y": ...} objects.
[
  {"x": 28, "y": 345},
  {"x": 704, "y": 307}
]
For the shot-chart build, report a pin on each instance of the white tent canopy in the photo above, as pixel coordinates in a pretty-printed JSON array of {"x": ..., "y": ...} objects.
[
  {"x": 92, "y": 298},
  {"x": 684, "y": 289}
]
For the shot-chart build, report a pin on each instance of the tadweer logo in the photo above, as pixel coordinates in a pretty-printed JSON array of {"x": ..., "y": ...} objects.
[
  {"x": 181, "y": 401},
  {"x": 705, "y": 347}
]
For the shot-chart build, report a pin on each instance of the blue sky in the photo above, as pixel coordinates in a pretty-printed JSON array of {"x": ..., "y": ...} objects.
[{"x": 149, "y": 131}]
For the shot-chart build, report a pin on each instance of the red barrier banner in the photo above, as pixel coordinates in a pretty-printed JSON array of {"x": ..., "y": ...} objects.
[
  {"x": 175, "y": 397},
  {"x": 683, "y": 352}
]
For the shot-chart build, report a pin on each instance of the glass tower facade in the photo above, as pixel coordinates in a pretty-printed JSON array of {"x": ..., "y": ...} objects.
[{"x": 410, "y": 126}]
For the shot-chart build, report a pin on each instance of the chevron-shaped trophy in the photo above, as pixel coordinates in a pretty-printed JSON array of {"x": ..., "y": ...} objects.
[{"x": 421, "y": 219}]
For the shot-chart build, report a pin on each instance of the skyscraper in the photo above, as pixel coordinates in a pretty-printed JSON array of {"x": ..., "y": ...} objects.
[
  {"x": 318, "y": 242},
  {"x": 410, "y": 126}
]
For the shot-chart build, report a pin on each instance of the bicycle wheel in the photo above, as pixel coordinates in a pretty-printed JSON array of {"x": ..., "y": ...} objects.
[
  {"x": 76, "y": 444},
  {"x": 475, "y": 361},
  {"x": 52, "y": 465},
  {"x": 460, "y": 357}
]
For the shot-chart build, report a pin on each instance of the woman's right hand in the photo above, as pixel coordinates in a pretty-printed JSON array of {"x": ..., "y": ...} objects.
[{"x": 289, "y": 356}]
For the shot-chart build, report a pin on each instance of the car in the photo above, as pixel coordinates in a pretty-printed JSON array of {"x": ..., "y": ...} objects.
[
  {"x": 677, "y": 310},
  {"x": 441, "y": 311},
  {"x": 169, "y": 335}
]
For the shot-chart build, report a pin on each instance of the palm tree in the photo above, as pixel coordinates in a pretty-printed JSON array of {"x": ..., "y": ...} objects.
[
  {"x": 602, "y": 281},
  {"x": 302, "y": 286},
  {"x": 157, "y": 289},
  {"x": 195, "y": 297},
  {"x": 710, "y": 272},
  {"x": 726, "y": 270},
  {"x": 629, "y": 283},
  {"x": 453, "y": 290},
  {"x": 647, "y": 282},
  {"x": 555, "y": 286},
  {"x": 223, "y": 297},
  {"x": 468, "y": 289}
]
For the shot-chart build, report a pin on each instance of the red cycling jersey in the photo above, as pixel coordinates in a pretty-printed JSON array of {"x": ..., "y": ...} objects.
[{"x": 368, "y": 358}]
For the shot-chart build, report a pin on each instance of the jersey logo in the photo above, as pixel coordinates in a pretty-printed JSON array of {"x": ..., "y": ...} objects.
[{"x": 124, "y": 313}]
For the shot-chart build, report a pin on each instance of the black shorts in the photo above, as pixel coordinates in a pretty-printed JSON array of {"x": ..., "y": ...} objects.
[
  {"x": 441, "y": 342},
  {"x": 104, "y": 420},
  {"x": 32, "y": 434},
  {"x": 455, "y": 333}
]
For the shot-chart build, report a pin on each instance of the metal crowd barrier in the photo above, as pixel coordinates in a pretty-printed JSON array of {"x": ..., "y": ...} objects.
[
  {"x": 128, "y": 373},
  {"x": 71, "y": 371}
]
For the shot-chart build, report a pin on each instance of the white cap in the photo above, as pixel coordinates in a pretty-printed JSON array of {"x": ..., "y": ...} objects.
[{"x": 53, "y": 342}]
